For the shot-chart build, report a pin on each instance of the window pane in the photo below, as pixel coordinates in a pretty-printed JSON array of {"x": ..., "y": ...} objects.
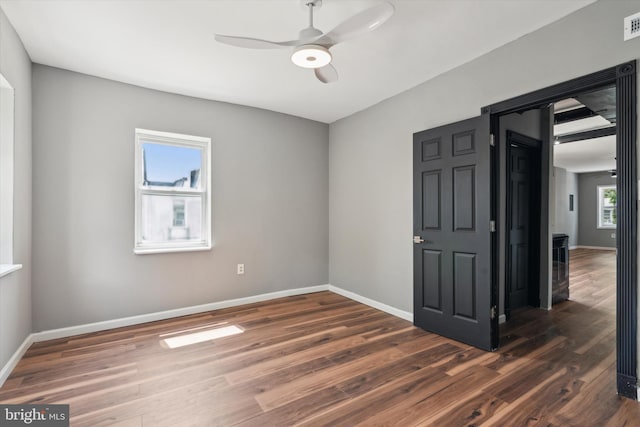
[
  {"x": 171, "y": 166},
  {"x": 610, "y": 197},
  {"x": 171, "y": 218}
]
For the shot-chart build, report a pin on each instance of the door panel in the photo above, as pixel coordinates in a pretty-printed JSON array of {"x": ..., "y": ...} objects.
[
  {"x": 464, "y": 286},
  {"x": 432, "y": 285},
  {"x": 452, "y": 263},
  {"x": 464, "y": 199},
  {"x": 431, "y": 196},
  {"x": 522, "y": 267}
]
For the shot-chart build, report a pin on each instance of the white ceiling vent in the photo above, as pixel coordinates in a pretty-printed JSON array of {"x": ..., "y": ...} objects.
[{"x": 632, "y": 26}]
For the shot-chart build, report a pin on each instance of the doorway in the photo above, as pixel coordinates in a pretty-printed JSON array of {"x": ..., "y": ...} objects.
[
  {"x": 456, "y": 286},
  {"x": 623, "y": 79}
]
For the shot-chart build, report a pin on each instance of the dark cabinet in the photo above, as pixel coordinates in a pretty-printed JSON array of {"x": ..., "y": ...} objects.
[{"x": 560, "y": 272}]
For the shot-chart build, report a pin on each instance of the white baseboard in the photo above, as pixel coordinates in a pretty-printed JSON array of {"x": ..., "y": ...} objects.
[
  {"x": 184, "y": 311},
  {"x": 8, "y": 367},
  {"x": 604, "y": 248},
  {"x": 372, "y": 303},
  {"x": 168, "y": 314},
  {"x": 573, "y": 247}
]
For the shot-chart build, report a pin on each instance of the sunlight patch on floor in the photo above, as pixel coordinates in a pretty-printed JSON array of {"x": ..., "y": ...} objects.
[{"x": 202, "y": 336}]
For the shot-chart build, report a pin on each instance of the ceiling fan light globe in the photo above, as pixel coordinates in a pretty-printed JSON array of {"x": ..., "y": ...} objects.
[{"x": 311, "y": 56}]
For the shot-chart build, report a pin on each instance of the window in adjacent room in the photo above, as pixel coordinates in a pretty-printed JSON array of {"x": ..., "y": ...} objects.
[
  {"x": 172, "y": 176},
  {"x": 607, "y": 213}
]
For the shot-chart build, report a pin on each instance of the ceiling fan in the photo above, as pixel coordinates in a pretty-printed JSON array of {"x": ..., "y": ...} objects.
[{"x": 311, "y": 49}]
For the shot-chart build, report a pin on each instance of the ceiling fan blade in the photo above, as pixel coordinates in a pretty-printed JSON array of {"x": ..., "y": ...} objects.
[
  {"x": 250, "y": 43},
  {"x": 361, "y": 23},
  {"x": 326, "y": 74}
]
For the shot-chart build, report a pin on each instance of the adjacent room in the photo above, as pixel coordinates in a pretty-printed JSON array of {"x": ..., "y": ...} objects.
[{"x": 319, "y": 212}]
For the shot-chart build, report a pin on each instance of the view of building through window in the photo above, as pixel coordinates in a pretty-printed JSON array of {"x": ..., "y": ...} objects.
[
  {"x": 171, "y": 197},
  {"x": 171, "y": 217},
  {"x": 178, "y": 213}
]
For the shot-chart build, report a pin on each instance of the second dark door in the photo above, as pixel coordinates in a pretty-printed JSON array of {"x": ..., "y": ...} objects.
[{"x": 523, "y": 156}]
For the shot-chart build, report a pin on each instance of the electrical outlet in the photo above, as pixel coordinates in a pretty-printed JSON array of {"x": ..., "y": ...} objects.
[
  {"x": 613, "y": 235},
  {"x": 240, "y": 268}
]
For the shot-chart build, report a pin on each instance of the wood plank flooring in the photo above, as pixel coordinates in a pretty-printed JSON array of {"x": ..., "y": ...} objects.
[{"x": 321, "y": 359}]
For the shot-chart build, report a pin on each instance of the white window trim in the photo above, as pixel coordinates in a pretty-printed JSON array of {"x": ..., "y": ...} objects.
[
  {"x": 180, "y": 140},
  {"x": 600, "y": 193}
]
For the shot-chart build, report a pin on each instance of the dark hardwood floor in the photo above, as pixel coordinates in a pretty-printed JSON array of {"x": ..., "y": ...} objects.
[{"x": 321, "y": 359}]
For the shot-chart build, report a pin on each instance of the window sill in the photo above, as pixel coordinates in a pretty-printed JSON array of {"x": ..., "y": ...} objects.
[
  {"x": 6, "y": 269},
  {"x": 143, "y": 251}
]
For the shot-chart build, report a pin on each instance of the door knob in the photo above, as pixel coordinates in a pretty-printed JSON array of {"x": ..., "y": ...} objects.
[{"x": 418, "y": 239}]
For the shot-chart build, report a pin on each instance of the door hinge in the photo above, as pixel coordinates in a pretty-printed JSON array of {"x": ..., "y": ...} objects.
[
  {"x": 492, "y": 140},
  {"x": 494, "y": 312},
  {"x": 492, "y": 226}
]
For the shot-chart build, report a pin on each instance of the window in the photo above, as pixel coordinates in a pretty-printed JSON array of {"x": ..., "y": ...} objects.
[
  {"x": 172, "y": 178},
  {"x": 6, "y": 177},
  {"x": 607, "y": 211}
]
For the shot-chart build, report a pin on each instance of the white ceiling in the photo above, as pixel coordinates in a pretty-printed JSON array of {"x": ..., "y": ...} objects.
[
  {"x": 582, "y": 125},
  {"x": 168, "y": 45},
  {"x": 588, "y": 155}
]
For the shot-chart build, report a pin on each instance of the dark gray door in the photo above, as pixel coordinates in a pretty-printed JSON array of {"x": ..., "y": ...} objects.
[
  {"x": 519, "y": 204},
  {"x": 523, "y": 221},
  {"x": 452, "y": 232}
]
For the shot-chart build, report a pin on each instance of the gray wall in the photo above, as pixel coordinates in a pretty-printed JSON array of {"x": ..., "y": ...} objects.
[
  {"x": 566, "y": 221},
  {"x": 589, "y": 233},
  {"x": 370, "y": 202},
  {"x": 269, "y": 197},
  {"x": 15, "y": 289}
]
